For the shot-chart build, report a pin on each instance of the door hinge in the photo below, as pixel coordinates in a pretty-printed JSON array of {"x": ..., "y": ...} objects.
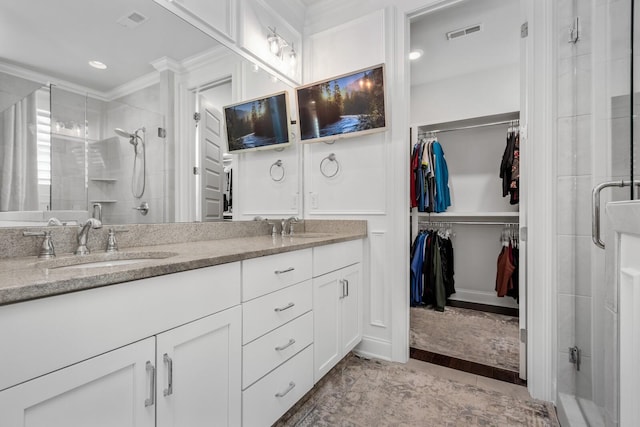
[
  {"x": 523, "y": 233},
  {"x": 162, "y": 133},
  {"x": 524, "y": 30},
  {"x": 574, "y": 356},
  {"x": 523, "y": 335},
  {"x": 574, "y": 31},
  {"x": 196, "y": 170}
]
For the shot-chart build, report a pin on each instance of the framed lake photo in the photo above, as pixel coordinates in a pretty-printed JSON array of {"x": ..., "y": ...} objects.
[{"x": 345, "y": 106}]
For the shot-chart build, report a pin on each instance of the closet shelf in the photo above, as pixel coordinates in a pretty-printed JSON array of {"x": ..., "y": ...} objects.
[{"x": 469, "y": 214}]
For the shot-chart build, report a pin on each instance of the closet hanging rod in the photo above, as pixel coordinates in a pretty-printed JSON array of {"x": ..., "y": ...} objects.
[
  {"x": 503, "y": 122},
  {"x": 467, "y": 222}
]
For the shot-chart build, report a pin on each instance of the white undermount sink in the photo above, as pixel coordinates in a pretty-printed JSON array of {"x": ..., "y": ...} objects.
[
  {"x": 111, "y": 263},
  {"x": 309, "y": 235},
  {"x": 102, "y": 260}
]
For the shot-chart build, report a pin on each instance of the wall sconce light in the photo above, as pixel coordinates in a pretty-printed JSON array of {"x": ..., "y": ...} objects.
[{"x": 277, "y": 46}]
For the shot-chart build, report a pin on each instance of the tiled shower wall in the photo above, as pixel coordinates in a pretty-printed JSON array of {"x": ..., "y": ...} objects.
[
  {"x": 592, "y": 139},
  {"x": 111, "y": 158}
]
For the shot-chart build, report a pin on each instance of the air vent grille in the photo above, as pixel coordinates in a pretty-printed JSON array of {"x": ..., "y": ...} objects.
[
  {"x": 132, "y": 20},
  {"x": 456, "y": 34}
]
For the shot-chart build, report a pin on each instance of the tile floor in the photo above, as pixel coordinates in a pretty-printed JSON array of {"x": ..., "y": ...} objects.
[{"x": 370, "y": 393}]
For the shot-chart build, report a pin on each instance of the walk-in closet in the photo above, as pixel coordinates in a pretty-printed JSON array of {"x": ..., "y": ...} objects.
[{"x": 466, "y": 187}]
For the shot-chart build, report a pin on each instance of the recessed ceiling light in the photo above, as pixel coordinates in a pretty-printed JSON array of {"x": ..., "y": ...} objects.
[
  {"x": 415, "y": 54},
  {"x": 97, "y": 64}
]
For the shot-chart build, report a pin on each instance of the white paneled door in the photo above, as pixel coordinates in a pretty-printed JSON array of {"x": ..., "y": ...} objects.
[
  {"x": 211, "y": 149},
  {"x": 113, "y": 389}
]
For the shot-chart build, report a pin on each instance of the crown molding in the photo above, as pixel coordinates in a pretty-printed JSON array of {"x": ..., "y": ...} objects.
[
  {"x": 167, "y": 64},
  {"x": 133, "y": 86},
  {"x": 44, "y": 79},
  {"x": 208, "y": 57}
]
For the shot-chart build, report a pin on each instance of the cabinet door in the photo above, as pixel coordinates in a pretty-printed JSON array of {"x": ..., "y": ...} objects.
[
  {"x": 327, "y": 294},
  {"x": 199, "y": 372},
  {"x": 110, "y": 390},
  {"x": 351, "y": 310}
]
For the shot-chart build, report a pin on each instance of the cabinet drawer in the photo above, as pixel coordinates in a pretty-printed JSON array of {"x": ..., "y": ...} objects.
[
  {"x": 265, "y": 314},
  {"x": 261, "y": 276},
  {"x": 332, "y": 257},
  {"x": 265, "y": 401},
  {"x": 266, "y": 353}
]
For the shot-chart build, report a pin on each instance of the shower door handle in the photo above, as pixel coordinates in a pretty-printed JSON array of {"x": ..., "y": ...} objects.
[{"x": 595, "y": 205}]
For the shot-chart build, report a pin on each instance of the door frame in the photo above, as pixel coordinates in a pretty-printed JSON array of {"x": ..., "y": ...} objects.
[{"x": 537, "y": 129}]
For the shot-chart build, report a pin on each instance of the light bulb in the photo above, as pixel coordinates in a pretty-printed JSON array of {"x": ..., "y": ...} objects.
[{"x": 293, "y": 58}]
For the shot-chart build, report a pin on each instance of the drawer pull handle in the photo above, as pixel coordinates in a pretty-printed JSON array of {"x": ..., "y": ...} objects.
[
  {"x": 286, "y": 307},
  {"x": 347, "y": 283},
  {"x": 287, "y": 345},
  {"x": 151, "y": 370},
  {"x": 284, "y": 271},
  {"x": 343, "y": 294},
  {"x": 169, "y": 362},
  {"x": 284, "y": 393}
]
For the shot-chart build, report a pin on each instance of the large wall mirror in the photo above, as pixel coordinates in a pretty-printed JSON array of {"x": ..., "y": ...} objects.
[{"x": 78, "y": 139}]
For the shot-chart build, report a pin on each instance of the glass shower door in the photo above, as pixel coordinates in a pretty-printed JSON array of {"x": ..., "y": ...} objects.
[{"x": 614, "y": 105}]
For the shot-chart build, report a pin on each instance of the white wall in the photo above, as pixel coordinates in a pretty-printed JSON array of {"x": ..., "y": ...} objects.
[
  {"x": 365, "y": 181},
  {"x": 476, "y": 94}
]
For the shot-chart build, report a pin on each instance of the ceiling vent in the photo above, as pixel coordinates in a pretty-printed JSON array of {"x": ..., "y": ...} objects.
[
  {"x": 456, "y": 34},
  {"x": 132, "y": 20}
]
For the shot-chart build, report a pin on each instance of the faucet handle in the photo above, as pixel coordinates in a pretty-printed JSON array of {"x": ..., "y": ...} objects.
[
  {"x": 46, "y": 249},
  {"x": 112, "y": 243},
  {"x": 274, "y": 231}
]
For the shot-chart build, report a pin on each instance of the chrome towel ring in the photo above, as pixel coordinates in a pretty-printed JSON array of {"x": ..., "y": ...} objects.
[
  {"x": 332, "y": 158},
  {"x": 273, "y": 172}
]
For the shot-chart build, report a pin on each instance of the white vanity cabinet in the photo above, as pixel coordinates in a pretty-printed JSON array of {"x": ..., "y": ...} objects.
[
  {"x": 337, "y": 304},
  {"x": 198, "y": 372},
  {"x": 97, "y": 357},
  {"x": 277, "y": 323},
  {"x": 107, "y": 390}
]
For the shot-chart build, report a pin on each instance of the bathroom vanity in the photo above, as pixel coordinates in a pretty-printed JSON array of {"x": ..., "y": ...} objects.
[{"x": 215, "y": 332}]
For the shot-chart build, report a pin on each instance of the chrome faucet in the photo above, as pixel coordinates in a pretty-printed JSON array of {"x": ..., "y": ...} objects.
[
  {"x": 83, "y": 235},
  {"x": 46, "y": 248},
  {"x": 289, "y": 221},
  {"x": 54, "y": 221}
]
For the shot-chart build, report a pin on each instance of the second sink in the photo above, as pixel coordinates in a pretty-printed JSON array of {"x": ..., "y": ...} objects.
[{"x": 103, "y": 260}]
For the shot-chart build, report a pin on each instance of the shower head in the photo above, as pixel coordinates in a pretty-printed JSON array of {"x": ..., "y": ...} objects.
[{"x": 133, "y": 137}]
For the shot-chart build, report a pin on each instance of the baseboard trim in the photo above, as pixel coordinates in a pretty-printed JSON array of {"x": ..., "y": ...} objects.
[
  {"x": 467, "y": 366},
  {"x": 508, "y": 311},
  {"x": 374, "y": 348}
]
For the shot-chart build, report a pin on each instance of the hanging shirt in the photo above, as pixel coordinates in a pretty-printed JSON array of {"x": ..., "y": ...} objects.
[
  {"x": 442, "y": 198},
  {"x": 417, "y": 261},
  {"x": 504, "y": 272}
]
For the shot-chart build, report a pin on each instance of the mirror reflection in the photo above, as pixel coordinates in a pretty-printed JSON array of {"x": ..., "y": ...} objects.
[{"x": 78, "y": 139}]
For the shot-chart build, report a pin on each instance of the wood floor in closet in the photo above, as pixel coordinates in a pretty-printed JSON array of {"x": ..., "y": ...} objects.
[{"x": 475, "y": 341}]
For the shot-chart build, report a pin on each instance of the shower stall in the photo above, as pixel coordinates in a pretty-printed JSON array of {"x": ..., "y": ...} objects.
[{"x": 595, "y": 137}]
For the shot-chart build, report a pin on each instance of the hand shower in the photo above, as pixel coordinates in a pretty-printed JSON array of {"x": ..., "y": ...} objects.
[
  {"x": 133, "y": 137},
  {"x": 138, "y": 146}
]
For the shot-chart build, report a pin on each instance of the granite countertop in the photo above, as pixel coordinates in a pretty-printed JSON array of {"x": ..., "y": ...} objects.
[{"x": 26, "y": 278}]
